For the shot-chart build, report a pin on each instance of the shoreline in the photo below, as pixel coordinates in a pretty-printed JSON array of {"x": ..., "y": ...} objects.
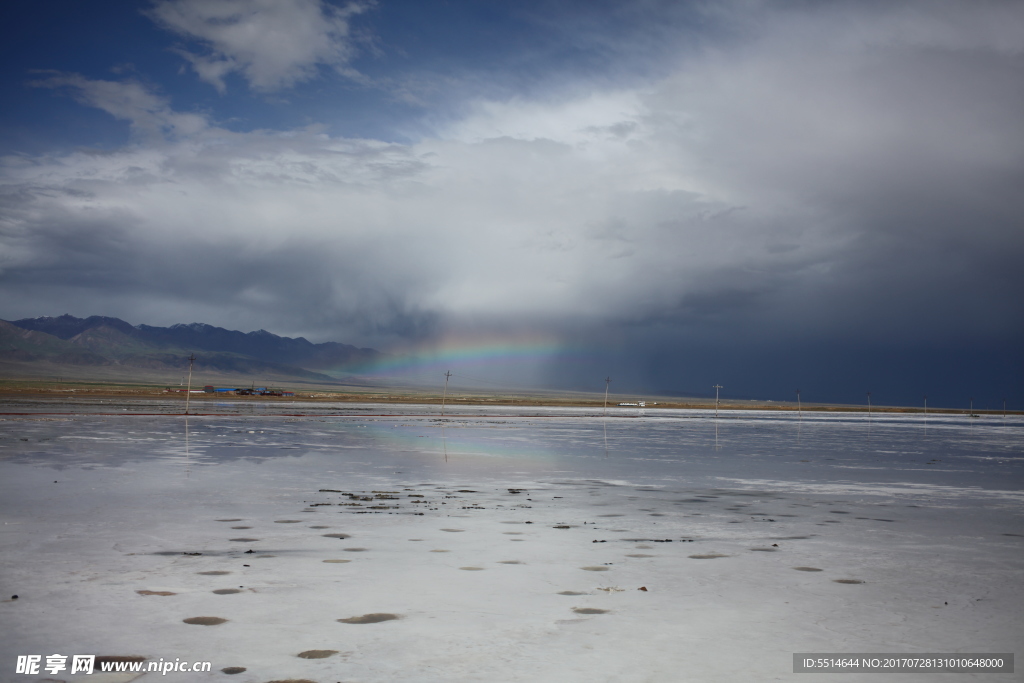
[{"x": 75, "y": 391}]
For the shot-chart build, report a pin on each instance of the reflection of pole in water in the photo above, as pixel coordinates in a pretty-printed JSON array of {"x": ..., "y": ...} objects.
[
  {"x": 188, "y": 461},
  {"x": 444, "y": 442},
  {"x": 716, "y": 435},
  {"x": 799, "y": 409},
  {"x": 605, "y": 425},
  {"x": 607, "y": 381}
]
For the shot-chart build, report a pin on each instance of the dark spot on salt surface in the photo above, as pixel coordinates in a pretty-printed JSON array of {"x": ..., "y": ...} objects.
[
  {"x": 320, "y": 527},
  {"x": 243, "y": 540},
  {"x": 571, "y": 593},
  {"x": 226, "y": 591},
  {"x": 241, "y": 527},
  {"x": 594, "y": 569},
  {"x": 214, "y": 573},
  {"x": 472, "y": 569},
  {"x": 233, "y": 669},
  {"x": 616, "y": 515},
  {"x": 847, "y": 580},
  {"x": 763, "y": 550},
  {"x": 287, "y": 521},
  {"x": 144, "y": 592},
  {"x": 807, "y": 569},
  {"x": 228, "y": 520},
  {"x": 589, "y": 610},
  {"x": 1017, "y": 535},
  {"x": 453, "y": 530},
  {"x": 707, "y": 556},
  {"x": 336, "y": 536},
  {"x": 509, "y": 562},
  {"x": 374, "y": 618},
  {"x": 520, "y": 533},
  {"x": 204, "y": 621},
  {"x": 354, "y": 550},
  {"x": 317, "y": 654}
]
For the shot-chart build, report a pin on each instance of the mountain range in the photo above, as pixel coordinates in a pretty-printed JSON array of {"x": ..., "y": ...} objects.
[{"x": 104, "y": 342}]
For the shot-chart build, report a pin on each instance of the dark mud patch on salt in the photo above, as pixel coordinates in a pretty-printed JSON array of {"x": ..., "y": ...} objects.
[
  {"x": 373, "y": 618},
  {"x": 316, "y": 654},
  {"x": 589, "y": 610},
  {"x": 204, "y": 621}
]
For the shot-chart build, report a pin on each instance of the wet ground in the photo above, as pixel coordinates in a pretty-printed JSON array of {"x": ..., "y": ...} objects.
[{"x": 352, "y": 542}]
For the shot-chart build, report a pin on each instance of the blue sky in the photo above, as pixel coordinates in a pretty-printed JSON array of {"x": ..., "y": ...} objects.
[{"x": 767, "y": 195}]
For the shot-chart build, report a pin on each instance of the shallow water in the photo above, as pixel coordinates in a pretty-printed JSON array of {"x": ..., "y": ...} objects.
[{"x": 473, "y": 529}]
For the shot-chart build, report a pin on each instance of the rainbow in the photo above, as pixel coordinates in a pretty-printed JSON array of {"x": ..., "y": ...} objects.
[{"x": 471, "y": 354}]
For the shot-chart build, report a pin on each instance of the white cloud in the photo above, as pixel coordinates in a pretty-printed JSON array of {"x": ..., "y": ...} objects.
[
  {"x": 147, "y": 113},
  {"x": 272, "y": 43}
]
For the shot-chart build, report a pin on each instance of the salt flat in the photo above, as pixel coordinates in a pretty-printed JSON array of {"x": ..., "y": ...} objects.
[{"x": 509, "y": 545}]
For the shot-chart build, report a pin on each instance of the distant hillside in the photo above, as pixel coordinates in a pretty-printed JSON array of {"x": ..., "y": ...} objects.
[{"x": 102, "y": 341}]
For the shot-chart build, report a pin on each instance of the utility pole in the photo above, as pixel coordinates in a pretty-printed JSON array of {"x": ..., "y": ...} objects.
[
  {"x": 972, "y": 407},
  {"x": 1004, "y": 406},
  {"x": 869, "y": 404},
  {"x": 926, "y": 405},
  {"x": 799, "y": 410},
  {"x": 607, "y": 381},
  {"x": 443, "y": 398},
  {"x": 716, "y": 388},
  {"x": 188, "y": 390}
]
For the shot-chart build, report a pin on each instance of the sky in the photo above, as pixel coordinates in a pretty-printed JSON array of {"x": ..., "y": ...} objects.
[{"x": 770, "y": 196}]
